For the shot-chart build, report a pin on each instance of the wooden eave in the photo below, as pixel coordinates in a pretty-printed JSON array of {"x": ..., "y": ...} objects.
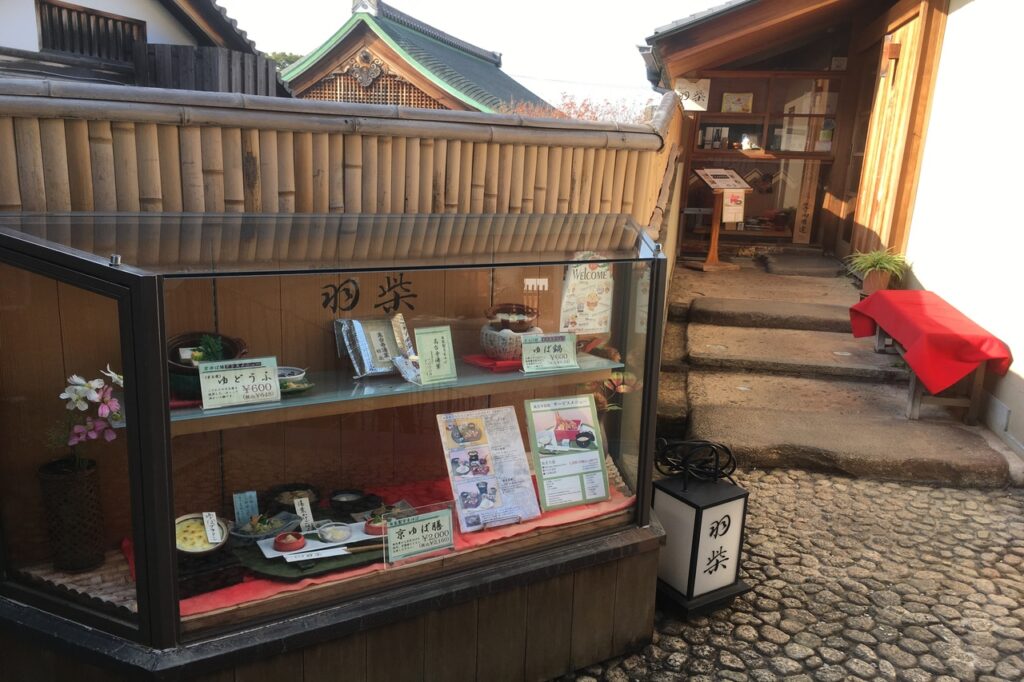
[
  {"x": 755, "y": 29},
  {"x": 348, "y": 47}
]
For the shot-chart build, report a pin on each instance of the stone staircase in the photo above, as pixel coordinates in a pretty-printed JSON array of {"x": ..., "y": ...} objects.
[{"x": 769, "y": 367}]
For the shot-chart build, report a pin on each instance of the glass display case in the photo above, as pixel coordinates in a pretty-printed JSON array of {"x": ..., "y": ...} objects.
[{"x": 217, "y": 422}]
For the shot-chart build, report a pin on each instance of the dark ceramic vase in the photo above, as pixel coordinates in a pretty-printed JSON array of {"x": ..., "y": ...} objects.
[{"x": 74, "y": 514}]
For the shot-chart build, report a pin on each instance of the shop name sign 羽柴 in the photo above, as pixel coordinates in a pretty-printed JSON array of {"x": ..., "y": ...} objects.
[
  {"x": 546, "y": 352},
  {"x": 414, "y": 535},
  {"x": 239, "y": 382}
]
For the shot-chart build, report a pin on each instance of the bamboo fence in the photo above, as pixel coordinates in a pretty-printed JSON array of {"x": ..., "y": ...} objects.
[{"x": 83, "y": 147}]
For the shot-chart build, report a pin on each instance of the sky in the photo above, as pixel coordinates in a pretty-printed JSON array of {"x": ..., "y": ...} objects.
[{"x": 584, "y": 48}]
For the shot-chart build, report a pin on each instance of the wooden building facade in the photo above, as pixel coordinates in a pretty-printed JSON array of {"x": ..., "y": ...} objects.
[{"x": 821, "y": 107}]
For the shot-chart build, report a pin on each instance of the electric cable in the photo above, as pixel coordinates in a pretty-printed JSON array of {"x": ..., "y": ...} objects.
[{"x": 702, "y": 460}]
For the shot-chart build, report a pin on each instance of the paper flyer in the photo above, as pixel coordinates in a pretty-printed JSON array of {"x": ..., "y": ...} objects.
[
  {"x": 487, "y": 467},
  {"x": 568, "y": 451},
  {"x": 587, "y": 298}
]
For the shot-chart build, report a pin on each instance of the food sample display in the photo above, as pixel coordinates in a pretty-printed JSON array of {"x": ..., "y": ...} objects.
[{"x": 330, "y": 412}]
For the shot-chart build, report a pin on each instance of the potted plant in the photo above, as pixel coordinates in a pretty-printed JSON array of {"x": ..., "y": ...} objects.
[
  {"x": 71, "y": 490},
  {"x": 877, "y": 268}
]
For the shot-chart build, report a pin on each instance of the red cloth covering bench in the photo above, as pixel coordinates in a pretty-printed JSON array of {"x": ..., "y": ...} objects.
[{"x": 941, "y": 344}]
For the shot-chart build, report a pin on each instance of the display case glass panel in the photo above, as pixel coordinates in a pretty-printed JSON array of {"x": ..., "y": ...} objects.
[
  {"x": 801, "y": 134},
  {"x": 334, "y": 379},
  {"x": 65, "y": 493},
  {"x": 818, "y": 96}
]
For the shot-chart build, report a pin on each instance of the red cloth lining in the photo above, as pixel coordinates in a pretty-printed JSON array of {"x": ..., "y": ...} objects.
[
  {"x": 418, "y": 495},
  {"x": 942, "y": 344}
]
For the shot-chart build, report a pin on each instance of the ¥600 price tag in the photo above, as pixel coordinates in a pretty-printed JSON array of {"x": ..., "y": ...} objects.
[
  {"x": 239, "y": 382},
  {"x": 546, "y": 352}
]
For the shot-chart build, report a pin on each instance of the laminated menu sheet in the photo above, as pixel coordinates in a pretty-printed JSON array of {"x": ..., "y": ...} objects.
[{"x": 488, "y": 468}]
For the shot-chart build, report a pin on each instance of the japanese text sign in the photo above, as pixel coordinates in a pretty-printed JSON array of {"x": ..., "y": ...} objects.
[
  {"x": 546, "y": 352},
  {"x": 436, "y": 354},
  {"x": 414, "y": 535},
  {"x": 693, "y": 94},
  {"x": 239, "y": 382}
]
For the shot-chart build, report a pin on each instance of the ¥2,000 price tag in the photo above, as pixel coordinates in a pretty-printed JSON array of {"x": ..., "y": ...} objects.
[
  {"x": 545, "y": 352},
  {"x": 419, "y": 534},
  {"x": 213, "y": 531},
  {"x": 304, "y": 511},
  {"x": 239, "y": 382}
]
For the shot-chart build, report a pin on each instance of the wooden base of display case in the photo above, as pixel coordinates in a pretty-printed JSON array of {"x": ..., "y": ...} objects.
[{"x": 536, "y": 618}]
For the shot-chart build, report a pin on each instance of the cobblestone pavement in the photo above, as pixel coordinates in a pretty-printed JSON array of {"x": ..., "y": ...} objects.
[{"x": 857, "y": 579}]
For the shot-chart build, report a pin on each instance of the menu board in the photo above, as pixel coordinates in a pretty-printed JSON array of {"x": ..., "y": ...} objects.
[
  {"x": 587, "y": 298},
  {"x": 568, "y": 451},
  {"x": 487, "y": 467}
]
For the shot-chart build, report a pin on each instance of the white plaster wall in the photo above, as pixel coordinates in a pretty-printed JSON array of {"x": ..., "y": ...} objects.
[
  {"x": 967, "y": 235},
  {"x": 19, "y": 25}
]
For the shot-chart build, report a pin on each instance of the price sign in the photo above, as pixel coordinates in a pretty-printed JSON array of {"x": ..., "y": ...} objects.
[
  {"x": 437, "y": 355},
  {"x": 246, "y": 506},
  {"x": 213, "y": 530},
  {"x": 239, "y": 382},
  {"x": 545, "y": 352},
  {"x": 305, "y": 512},
  {"x": 414, "y": 535}
]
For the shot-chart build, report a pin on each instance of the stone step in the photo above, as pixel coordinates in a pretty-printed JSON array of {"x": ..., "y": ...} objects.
[
  {"x": 672, "y": 405},
  {"x": 673, "y": 347},
  {"x": 851, "y": 427},
  {"x": 791, "y": 352},
  {"x": 803, "y": 265},
  {"x": 740, "y": 312}
]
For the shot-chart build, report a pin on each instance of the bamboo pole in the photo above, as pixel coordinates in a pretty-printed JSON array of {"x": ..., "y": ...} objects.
[
  {"x": 642, "y": 200},
  {"x": 515, "y": 196},
  {"x": 465, "y": 177},
  {"x": 426, "y": 174},
  {"x": 234, "y": 175},
  {"x": 147, "y": 148},
  {"x": 269, "y": 202},
  {"x": 452, "y": 197},
  {"x": 252, "y": 185},
  {"x": 597, "y": 185},
  {"x": 126, "y": 158},
  {"x": 554, "y": 179},
  {"x": 30, "y": 164},
  {"x": 193, "y": 198},
  {"x": 476, "y": 197},
  {"x": 369, "y": 181},
  {"x": 628, "y": 186},
  {"x": 586, "y": 184},
  {"x": 397, "y": 175},
  {"x": 213, "y": 169},
  {"x": 170, "y": 167},
  {"x": 491, "y": 179},
  {"x": 353, "y": 174},
  {"x": 55, "y": 164},
  {"x": 504, "y": 178},
  {"x": 336, "y": 167},
  {"x": 286, "y": 171},
  {"x": 76, "y": 132},
  {"x": 529, "y": 178},
  {"x": 611, "y": 161},
  {"x": 385, "y": 149},
  {"x": 101, "y": 148},
  {"x": 412, "y": 175},
  {"x": 10, "y": 194},
  {"x": 565, "y": 181},
  {"x": 440, "y": 158},
  {"x": 302, "y": 170},
  {"x": 576, "y": 182},
  {"x": 321, "y": 173},
  {"x": 540, "y": 192}
]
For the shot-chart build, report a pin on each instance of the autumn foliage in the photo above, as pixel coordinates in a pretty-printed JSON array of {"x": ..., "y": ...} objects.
[{"x": 586, "y": 109}]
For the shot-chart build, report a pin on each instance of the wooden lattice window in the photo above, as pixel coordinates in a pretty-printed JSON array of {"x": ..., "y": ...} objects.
[
  {"x": 385, "y": 89},
  {"x": 87, "y": 32}
]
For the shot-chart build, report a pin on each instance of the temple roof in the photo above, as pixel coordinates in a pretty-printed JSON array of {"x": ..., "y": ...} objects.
[{"x": 468, "y": 73}]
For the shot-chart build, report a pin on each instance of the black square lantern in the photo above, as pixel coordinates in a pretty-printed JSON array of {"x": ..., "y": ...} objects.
[{"x": 704, "y": 521}]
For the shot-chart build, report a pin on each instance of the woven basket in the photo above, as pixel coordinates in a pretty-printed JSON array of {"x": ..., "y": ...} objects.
[{"x": 74, "y": 514}]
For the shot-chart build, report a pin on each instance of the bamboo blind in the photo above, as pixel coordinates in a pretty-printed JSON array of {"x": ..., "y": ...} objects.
[{"x": 247, "y": 154}]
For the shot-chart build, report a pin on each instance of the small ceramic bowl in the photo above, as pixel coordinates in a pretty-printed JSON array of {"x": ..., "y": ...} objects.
[
  {"x": 334, "y": 532},
  {"x": 290, "y": 374},
  {"x": 289, "y": 542},
  {"x": 354, "y": 501},
  {"x": 190, "y": 534}
]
